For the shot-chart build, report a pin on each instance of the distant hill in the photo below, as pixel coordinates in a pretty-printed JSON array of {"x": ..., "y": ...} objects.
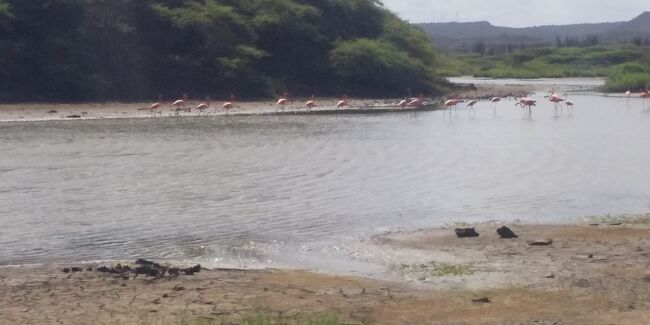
[{"x": 461, "y": 37}]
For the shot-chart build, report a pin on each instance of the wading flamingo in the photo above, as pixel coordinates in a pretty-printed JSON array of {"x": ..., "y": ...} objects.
[
  {"x": 178, "y": 106},
  {"x": 450, "y": 104},
  {"x": 471, "y": 105},
  {"x": 153, "y": 109},
  {"x": 494, "y": 101},
  {"x": 526, "y": 104},
  {"x": 311, "y": 104},
  {"x": 645, "y": 94},
  {"x": 415, "y": 102},
  {"x": 343, "y": 102},
  {"x": 403, "y": 103},
  {"x": 282, "y": 103},
  {"x": 228, "y": 105},
  {"x": 556, "y": 100},
  {"x": 201, "y": 107}
]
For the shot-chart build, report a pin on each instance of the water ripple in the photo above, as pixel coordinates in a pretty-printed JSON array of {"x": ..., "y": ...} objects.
[{"x": 120, "y": 189}]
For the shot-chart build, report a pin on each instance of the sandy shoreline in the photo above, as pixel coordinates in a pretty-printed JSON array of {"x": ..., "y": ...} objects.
[
  {"x": 92, "y": 111},
  {"x": 88, "y": 111},
  {"x": 592, "y": 273}
]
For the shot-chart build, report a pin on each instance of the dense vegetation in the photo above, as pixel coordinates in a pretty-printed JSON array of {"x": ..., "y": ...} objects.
[
  {"x": 142, "y": 49},
  {"x": 626, "y": 67}
]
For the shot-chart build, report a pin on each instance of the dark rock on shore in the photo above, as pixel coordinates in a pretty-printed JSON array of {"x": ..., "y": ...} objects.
[
  {"x": 144, "y": 262},
  {"x": 466, "y": 232},
  {"x": 72, "y": 269},
  {"x": 505, "y": 233},
  {"x": 149, "y": 269}
]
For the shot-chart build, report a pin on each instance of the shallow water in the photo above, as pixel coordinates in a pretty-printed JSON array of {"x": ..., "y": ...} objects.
[
  {"x": 235, "y": 188},
  {"x": 561, "y": 84}
]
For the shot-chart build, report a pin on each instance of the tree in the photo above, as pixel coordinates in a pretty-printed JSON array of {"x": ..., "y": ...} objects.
[
  {"x": 71, "y": 50},
  {"x": 369, "y": 66}
]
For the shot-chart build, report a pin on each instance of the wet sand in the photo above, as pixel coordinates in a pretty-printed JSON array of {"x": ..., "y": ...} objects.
[{"x": 592, "y": 273}]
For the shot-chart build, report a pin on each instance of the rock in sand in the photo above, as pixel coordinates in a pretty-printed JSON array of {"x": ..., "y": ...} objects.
[
  {"x": 505, "y": 233},
  {"x": 466, "y": 232}
]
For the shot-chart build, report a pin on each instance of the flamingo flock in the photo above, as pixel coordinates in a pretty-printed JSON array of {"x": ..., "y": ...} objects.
[{"x": 525, "y": 103}]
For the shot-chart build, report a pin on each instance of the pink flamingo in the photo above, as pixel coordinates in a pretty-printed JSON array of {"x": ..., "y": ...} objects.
[
  {"x": 343, "y": 102},
  {"x": 645, "y": 94},
  {"x": 526, "y": 103},
  {"x": 415, "y": 102},
  {"x": 494, "y": 101},
  {"x": 178, "y": 104},
  {"x": 282, "y": 103},
  {"x": 451, "y": 104},
  {"x": 154, "y": 107},
  {"x": 311, "y": 102},
  {"x": 403, "y": 103},
  {"x": 201, "y": 107},
  {"x": 556, "y": 100},
  {"x": 471, "y": 105},
  {"x": 228, "y": 105}
]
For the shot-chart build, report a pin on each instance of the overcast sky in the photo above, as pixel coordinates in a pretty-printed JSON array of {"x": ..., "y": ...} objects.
[{"x": 518, "y": 13}]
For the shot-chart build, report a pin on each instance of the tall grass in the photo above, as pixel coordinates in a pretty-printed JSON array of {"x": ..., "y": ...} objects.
[
  {"x": 626, "y": 67},
  {"x": 628, "y": 76}
]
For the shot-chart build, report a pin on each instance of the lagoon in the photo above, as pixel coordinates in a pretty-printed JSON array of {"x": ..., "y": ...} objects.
[{"x": 232, "y": 189}]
